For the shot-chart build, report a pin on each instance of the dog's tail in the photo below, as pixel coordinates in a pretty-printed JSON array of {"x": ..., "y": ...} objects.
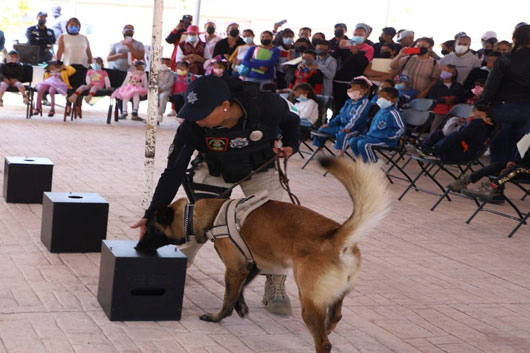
[{"x": 368, "y": 188}]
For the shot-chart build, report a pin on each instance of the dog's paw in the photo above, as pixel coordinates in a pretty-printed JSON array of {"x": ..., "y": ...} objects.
[
  {"x": 241, "y": 309},
  {"x": 208, "y": 317}
]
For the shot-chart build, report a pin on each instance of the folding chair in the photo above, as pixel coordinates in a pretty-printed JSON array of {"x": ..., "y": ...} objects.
[
  {"x": 520, "y": 218},
  {"x": 118, "y": 77},
  {"x": 27, "y": 77},
  {"x": 76, "y": 80},
  {"x": 430, "y": 167},
  {"x": 459, "y": 110},
  {"x": 324, "y": 103}
]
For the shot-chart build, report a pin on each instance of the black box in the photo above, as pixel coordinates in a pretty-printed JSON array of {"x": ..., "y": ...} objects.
[
  {"x": 73, "y": 222},
  {"x": 135, "y": 286},
  {"x": 25, "y": 179}
]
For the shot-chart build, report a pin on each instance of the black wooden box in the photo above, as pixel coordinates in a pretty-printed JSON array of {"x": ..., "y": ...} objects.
[
  {"x": 73, "y": 222},
  {"x": 137, "y": 286},
  {"x": 25, "y": 179}
]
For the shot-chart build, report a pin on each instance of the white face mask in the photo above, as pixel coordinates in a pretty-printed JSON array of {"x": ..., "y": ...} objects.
[
  {"x": 355, "y": 95},
  {"x": 383, "y": 103},
  {"x": 461, "y": 49},
  {"x": 163, "y": 67}
]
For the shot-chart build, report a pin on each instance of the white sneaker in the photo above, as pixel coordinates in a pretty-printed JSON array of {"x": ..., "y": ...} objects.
[
  {"x": 172, "y": 113},
  {"x": 25, "y": 99}
]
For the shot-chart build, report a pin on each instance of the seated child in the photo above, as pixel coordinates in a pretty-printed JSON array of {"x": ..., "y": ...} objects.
[
  {"x": 306, "y": 102},
  {"x": 406, "y": 92},
  {"x": 166, "y": 79},
  {"x": 462, "y": 145},
  {"x": 11, "y": 72},
  {"x": 385, "y": 130},
  {"x": 383, "y": 84},
  {"x": 134, "y": 86},
  {"x": 447, "y": 92},
  {"x": 476, "y": 91},
  {"x": 183, "y": 78},
  {"x": 55, "y": 81},
  {"x": 352, "y": 118},
  {"x": 96, "y": 79}
]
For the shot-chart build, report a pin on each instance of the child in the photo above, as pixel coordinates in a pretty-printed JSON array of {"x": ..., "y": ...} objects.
[
  {"x": 166, "y": 79},
  {"x": 308, "y": 72},
  {"x": 462, "y": 145},
  {"x": 406, "y": 93},
  {"x": 385, "y": 130},
  {"x": 134, "y": 86},
  {"x": 306, "y": 102},
  {"x": 219, "y": 66},
  {"x": 182, "y": 79},
  {"x": 97, "y": 79},
  {"x": 352, "y": 118},
  {"x": 383, "y": 84},
  {"x": 55, "y": 81},
  {"x": 447, "y": 92},
  {"x": 476, "y": 91},
  {"x": 11, "y": 72}
]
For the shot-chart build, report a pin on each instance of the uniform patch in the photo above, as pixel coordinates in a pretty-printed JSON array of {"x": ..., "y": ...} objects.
[
  {"x": 217, "y": 144},
  {"x": 239, "y": 142},
  {"x": 381, "y": 125}
]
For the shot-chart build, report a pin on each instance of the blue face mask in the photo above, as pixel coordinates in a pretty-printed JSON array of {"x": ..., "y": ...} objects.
[
  {"x": 302, "y": 98},
  {"x": 191, "y": 39},
  {"x": 383, "y": 103},
  {"x": 287, "y": 41},
  {"x": 73, "y": 30},
  {"x": 400, "y": 86},
  {"x": 248, "y": 40},
  {"x": 95, "y": 66},
  {"x": 357, "y": 40}
]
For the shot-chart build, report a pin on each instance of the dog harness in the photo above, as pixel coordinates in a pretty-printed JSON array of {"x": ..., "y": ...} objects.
[{"x": 231, "y": 218}]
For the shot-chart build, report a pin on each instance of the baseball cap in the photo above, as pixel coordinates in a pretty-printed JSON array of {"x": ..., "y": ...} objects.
[
  {"x": 461, "y": 34},
  {"x": 202, "y": 96},
  {"x": 42, "y": 13},
  {"x": 488, "y": 35},
  {"x": 364, "y": 26},
  {"x": 404, "y": 34}
]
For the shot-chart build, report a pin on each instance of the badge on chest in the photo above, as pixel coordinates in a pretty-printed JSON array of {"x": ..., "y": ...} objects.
[{"x": 217, "y": 144}]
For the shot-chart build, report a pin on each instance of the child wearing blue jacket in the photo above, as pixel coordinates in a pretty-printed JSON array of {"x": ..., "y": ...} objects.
[
  {"x": 352, "y": 118},
  {"x": 385, "y": 130}
]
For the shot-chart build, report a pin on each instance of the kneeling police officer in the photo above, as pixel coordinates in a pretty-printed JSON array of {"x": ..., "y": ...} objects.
[{"x": 235, "y": 128}]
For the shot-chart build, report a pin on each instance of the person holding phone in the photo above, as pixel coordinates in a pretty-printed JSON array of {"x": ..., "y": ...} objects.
[
  {"x": 416, "y": 62},
  {"x": 124, "y": 53},
  {"x": 175, "y": 35}
]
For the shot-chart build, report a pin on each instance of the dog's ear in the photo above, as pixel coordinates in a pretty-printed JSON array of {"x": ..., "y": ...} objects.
[{"x": 164, "y": 214}]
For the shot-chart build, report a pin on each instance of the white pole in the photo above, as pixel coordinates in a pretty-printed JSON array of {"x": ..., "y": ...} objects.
[
  {"x": 152, "y": 102},
  {"x": 197, "y": 12}
]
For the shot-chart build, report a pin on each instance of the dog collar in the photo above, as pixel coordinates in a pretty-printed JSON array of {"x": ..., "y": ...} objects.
[{"x": 188, "y": 221}]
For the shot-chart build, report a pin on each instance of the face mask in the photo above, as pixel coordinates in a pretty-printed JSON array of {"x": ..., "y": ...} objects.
[
  {"x": 301, "y": 48},
  {"x": 355, "y": 95},
  {"x": 11, "y": 60},
  {"x": 128, "y": 39},
  {"x": 54, "y": 71},
  {"x": 73, "y": 30},
  {"x": 445, "y": 52},
  {"x": 321, "y": 52},
  {"x": 385, "y": 55},
  {"x": 461, "y": 49},
  {"x": 95, "y": 67},
  {"x": 210, "y": 30},
  {"x": 339, "y": 32},
  {"x": 266, "y": 41},
  {"x": 445, "y": 75},
  {"x": 314, "y": 42},
  {"x": 423, "y": 51},
  {"x": 477, "y": 91},
  {"x": 191, "y": 39},
  {"x": 42, "y": 22},
  {"x": 181, "y": 72},
  {"x": 381, "y": 40},
  {"x": 248, "y": 40},
  {"x": 128, "y": 34},
  {"x": 308, "y": 62},
  {"x": 218, "y": 72},
  {"x": 234, "y": 33},
  {"x": 302, "y": 98},
  {"x": 400, "y": 86},
  {"x": 287, "y": 41},
  {"x": 357, "y": 40},
  {"x": 384, "y": 103}
]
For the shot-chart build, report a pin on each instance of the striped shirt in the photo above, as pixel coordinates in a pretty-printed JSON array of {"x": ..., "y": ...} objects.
[{"x": 420, "y": 72}]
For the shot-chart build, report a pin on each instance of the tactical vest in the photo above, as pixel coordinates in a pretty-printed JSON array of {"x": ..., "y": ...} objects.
[{"x": 234, "y": 154}]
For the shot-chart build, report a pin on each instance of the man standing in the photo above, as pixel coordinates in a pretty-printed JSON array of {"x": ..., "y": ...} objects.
[
  {"x": 234, "y": 127},
  {"x": 387, "y": 36},
  {"x": 462, "y": 58},
  {"x": 124, "y": 53},
  {"x": 41, "y": 36}
]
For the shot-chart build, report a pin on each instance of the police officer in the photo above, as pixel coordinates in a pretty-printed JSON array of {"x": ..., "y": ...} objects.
[
  {"x": 234, "y": 126},
  {"x": 42, "y": 36}
]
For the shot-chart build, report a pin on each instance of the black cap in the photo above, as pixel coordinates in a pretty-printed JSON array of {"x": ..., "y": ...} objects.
[
  {"x": 42, "y": 13},
  {"x": 202, "y": 96},
  {"x": 389, "y": 31}
]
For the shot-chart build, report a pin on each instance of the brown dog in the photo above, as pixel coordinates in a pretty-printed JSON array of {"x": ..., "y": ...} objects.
[{"x": 324, "y": 254}]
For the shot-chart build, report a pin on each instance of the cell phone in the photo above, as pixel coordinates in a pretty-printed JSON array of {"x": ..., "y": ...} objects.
[
  {"x": 411, "y": 51},
  {"x": 281, "y": 23}
]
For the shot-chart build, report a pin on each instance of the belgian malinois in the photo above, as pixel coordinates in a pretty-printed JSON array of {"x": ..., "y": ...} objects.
[{"x": 323, "y": 253}]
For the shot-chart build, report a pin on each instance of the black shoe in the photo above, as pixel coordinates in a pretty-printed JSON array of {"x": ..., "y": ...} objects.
[
  {"x": 51, "y": 113},
  {"x": 135, "y": 117}
]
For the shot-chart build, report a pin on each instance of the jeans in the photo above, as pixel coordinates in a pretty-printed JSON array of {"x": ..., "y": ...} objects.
[{"x": 515, "y": 120}]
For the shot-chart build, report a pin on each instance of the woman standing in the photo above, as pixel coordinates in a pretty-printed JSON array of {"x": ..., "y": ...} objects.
[
  {"x": 73, "y": 47},
  {"x": 508, "y": 90}
]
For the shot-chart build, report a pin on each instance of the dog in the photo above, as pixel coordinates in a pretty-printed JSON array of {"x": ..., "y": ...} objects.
[{"x": 323, "y": 253}]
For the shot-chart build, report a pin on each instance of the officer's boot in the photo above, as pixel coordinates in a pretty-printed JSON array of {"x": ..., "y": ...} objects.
[{"x": 275, "y": 298}]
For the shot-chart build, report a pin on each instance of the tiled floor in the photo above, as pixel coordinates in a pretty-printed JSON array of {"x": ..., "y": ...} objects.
[{"x": 429, "y": 283}]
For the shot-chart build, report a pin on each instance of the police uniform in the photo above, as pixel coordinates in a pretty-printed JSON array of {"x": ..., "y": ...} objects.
[
  {"x": 42, "y": 37},
  {"x": 231, "y": 154}
]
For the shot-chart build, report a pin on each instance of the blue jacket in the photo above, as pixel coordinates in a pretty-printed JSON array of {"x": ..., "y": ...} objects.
[
  {"x": 353, "y": 115},
  {"x": 252, "y": 63},
  {"x": 387, "y": 125}
]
